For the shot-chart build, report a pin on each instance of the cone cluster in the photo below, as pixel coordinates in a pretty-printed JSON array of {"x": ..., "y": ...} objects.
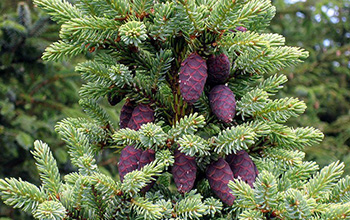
[
  {"x": 193, "y": 76},
  {"x": 195, "y": 73},
  {"x": 133, "y": 117}
]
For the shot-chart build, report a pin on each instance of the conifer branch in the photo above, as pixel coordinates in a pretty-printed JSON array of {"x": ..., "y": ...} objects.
[
  {"x": 325, "y": 180},
  {"x": 250, "y": 41},
  {"x": 244, "y": 194},
  {"x": 142, "y": 7},
  {"x": 297, "y": 175},
  {"x": 95, "y": 72},
  {"x": 61, "y": 49},
  {"x": 60, "y": 10},
  {"x": 213, "y": 206},
  {"x": 251, "y": 214},
  {"x": 88, "y": 127},
  {"x": 192, "y": 145},
  {"x": 260, "y": 11},
  {"x": 106, "y": 185},
  {"x": 223, "y": 14},
  {"x": 126, "y": 136},
  {"x": 191, "y": 207},
  {"x": 297, "y": 205},
  {"x": 194, "y": 17},
  {"x": 273, "y": 83},
  {"x": 121, "y": 7},
  {"x": 48, "y": 169},
  {"x": 146, "y": 208},
  {"x": 21, "y": 194},
  {"x": 80, "y": 148},
  {"x": 94, "y": 90},
  {"x": 308, "y": 136},
  {"x": 143, "y": 47},
  {"x": 134, "y": 181},
  {"x": 341, "y": 191},
  {"x": 253, "y": 101},
  {"x": 89, "y": 29},
  {"x": 337, "y": 211},
  {"x": 271, "y": 60},
  {"x": 152, "y": 136},
  {"x": 163, "y": 26},
  {"x": 281, "y": 110},
  {"x": 234, "y": 139},
  {"x": 133, "y": 33},
  {"x": 187, "y": 125},
  {"x": 96, "y": 112},
  {"x": 265, "y": 192},
  {"x": 50, "y": 210},
  {"x": 285, "y": 156},
  {"x": 24, "y": 15}
]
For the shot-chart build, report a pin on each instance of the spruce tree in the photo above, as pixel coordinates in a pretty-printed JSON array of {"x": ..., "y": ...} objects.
[{"x": 200, "y": 134}]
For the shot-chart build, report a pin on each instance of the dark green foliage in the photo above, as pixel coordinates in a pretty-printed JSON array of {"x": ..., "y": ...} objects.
[{"x": 322, "y": 27}]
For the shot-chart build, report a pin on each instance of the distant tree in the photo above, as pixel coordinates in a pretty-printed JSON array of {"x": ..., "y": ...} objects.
[{"x": 323, "y": 81}]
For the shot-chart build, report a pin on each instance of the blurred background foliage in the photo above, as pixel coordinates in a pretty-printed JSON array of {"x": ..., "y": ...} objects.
[
  {"x": 323, "y": 28},
  {"x": 35, "y": 95}
]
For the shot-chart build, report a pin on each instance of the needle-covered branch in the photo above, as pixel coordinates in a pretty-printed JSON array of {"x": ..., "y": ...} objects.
[{"x": 48, "y": 170}]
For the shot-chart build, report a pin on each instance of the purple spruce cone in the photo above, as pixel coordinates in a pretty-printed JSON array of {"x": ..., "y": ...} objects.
[
  {"x": 125, "y": 114},
  {"x": 193, "y": 75},
  {"x": 243, "y": 167},
  {"x": 223, "y": 103},
  {"x": 219, "y": 175},
  {"x": 142, "y": 114},
  {"x": 218, "y": 69},
  {"x": 184, "y": 171},
  {"x": 128, "y": 161}
]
